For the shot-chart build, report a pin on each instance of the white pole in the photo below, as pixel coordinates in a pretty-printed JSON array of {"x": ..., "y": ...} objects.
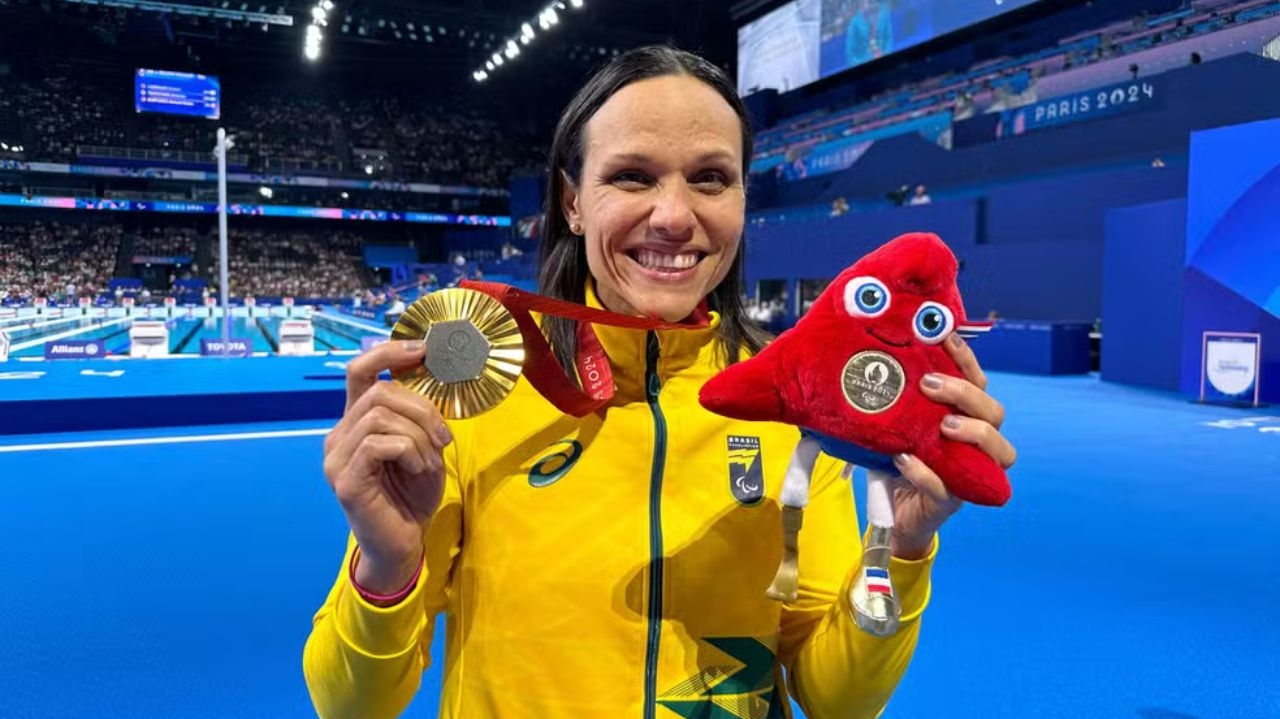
[{"x": 222, "y": 236}]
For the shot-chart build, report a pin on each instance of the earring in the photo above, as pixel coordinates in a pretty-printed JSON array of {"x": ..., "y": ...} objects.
[{"x": 575, "y": 228}]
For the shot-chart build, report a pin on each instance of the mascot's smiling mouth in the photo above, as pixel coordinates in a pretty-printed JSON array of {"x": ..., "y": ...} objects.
[{"x": 871, "y": 331}]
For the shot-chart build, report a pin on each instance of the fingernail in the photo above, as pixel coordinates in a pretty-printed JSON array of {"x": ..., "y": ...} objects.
[
  {"x": 443, "y": 435},
  {"x": 951, "y": 422},
  {"x": 902, "y": 459},
  {"x": 933, "y": 381},
  {"x": 956, "y": 340},
  {"x": 412, "y": 346}
]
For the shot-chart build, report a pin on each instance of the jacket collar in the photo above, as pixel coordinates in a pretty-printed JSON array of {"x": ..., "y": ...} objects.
[{"x": 678, "y": 349}]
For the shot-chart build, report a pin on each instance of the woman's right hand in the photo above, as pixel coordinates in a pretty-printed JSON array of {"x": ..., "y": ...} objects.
[{"x": 383, "y": 461}]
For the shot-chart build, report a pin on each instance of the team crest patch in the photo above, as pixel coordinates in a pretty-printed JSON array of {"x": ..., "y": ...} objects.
[{"x": 746, "y": 473}]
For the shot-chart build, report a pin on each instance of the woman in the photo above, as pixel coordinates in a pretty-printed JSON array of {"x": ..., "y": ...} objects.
[
  {"x": 869, "y": 34},
  {"x": 610, "y": 565}
]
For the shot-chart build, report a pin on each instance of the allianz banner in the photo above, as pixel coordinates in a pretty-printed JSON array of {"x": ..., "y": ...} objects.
[{"x": 74, "y": 349}]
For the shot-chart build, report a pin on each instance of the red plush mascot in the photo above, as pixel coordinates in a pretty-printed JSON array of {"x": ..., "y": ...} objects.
[{"x": 847, "y": 375}]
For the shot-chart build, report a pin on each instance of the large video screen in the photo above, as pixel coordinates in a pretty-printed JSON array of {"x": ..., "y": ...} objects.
[
  {"x": 177, "y": 93},
  {"x": 780, "y": 49}
]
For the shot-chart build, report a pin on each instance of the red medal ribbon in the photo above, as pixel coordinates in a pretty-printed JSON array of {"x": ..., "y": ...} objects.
[{"x": 540, "y": 364}]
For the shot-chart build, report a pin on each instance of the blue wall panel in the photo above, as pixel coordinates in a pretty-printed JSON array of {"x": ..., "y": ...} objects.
[
  {"x": 1142, "y": 274},
  {"x": 1074, "y": 208},
  {"x": 1232, "y": 277},
  {"x": 1059, "y": 281},
  {"x": 389, "y": 255},
  {"x": 1030, "y": 251},
  {"x": 821, "y": 248}
]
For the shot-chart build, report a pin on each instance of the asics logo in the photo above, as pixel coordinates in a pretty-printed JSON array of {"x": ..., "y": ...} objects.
[{"x": 549, "y": 469}]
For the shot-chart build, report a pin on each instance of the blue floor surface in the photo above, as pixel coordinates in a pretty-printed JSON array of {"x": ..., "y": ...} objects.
[
  {"x": 1133, "y": 575},
  {"x": 68, "y": 380}
]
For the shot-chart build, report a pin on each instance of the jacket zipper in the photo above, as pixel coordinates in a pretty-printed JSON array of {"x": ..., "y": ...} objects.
[{"x": 653, "y": 385}]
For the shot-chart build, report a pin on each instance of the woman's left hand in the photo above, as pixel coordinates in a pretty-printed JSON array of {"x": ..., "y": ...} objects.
[{"x": 922, "y": 504}]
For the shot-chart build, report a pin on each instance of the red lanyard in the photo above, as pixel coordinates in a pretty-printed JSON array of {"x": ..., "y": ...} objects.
[{"x": 540, "y": 365}]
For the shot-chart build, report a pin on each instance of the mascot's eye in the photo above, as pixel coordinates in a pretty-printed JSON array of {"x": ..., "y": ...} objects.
[
  {"x": 866, "y": 297},
  {"x": 933, "y": 323}
]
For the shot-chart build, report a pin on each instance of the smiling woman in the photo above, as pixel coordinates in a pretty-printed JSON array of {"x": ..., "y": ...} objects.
[
  {"x": 614, "y": 564},
  {"x": 663, "y": 219},
  {"x": 647, "y": 197}
]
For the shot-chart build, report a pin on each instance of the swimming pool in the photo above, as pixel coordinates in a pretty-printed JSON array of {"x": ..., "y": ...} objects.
[{"x": 27, "y": 336}]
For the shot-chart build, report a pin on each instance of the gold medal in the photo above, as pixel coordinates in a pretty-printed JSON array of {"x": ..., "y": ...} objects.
[{"x": 475, "y": 351}]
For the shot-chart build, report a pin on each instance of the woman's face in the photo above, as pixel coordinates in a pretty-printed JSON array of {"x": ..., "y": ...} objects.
[{"x": 662, "y": 201}]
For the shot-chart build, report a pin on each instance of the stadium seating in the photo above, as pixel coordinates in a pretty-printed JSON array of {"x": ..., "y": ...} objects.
[
  {"x": 56, "y": 260},
  {"x": 294, "y": 264},
  {"x": 63, "y": 117},
  {"x": 1011, "y": 81}
]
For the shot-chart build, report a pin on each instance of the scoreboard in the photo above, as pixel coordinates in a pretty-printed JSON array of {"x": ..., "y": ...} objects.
[{"x": 177, "y": 93}]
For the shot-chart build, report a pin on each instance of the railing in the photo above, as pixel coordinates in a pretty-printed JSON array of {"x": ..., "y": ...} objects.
[
  {"x": 86, "y": 192},
  {"x": 133, "y": 153},
  {"x": 292, "y": 165},
  {"x": 145, "y": 195}
]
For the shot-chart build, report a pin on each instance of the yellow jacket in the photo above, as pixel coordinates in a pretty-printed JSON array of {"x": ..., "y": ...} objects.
[{"x": 616, "y": 565}]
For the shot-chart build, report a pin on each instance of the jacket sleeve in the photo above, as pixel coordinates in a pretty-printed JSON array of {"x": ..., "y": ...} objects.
[
  {"x": 835, "y": 669},
  {"x": 366, "y": 661}
]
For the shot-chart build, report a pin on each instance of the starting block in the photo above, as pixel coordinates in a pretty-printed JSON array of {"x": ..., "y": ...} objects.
[
  {"x": 297, "y": 337},
  {"x": 148, "y": 339},
  {"x": 4, "y": 346}
]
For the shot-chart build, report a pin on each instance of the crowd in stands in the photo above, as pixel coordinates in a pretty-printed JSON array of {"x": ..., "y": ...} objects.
[
  {"x": 456, "y": 145},
  {"x": 274, "y": 130},
  {"x": 365, "y": 126},
  {"x": 295, "y": 264},
  {"x": 166, "y": 242},
  {"x": 168, "y": 133},
  {"x": 60, "y": 114},
  {"x": 56, "y": 261},
  {"x": 1008, "y": 82},
  {"x": 62, "y": 261},
  {"x": 290, "y": 125}
]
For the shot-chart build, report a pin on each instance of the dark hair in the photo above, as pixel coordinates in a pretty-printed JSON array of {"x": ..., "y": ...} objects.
[{"x": 563, "y": 269}]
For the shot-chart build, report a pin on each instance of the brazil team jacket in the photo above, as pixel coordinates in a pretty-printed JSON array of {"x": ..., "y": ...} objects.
[{"x": 615, "y": 566}]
